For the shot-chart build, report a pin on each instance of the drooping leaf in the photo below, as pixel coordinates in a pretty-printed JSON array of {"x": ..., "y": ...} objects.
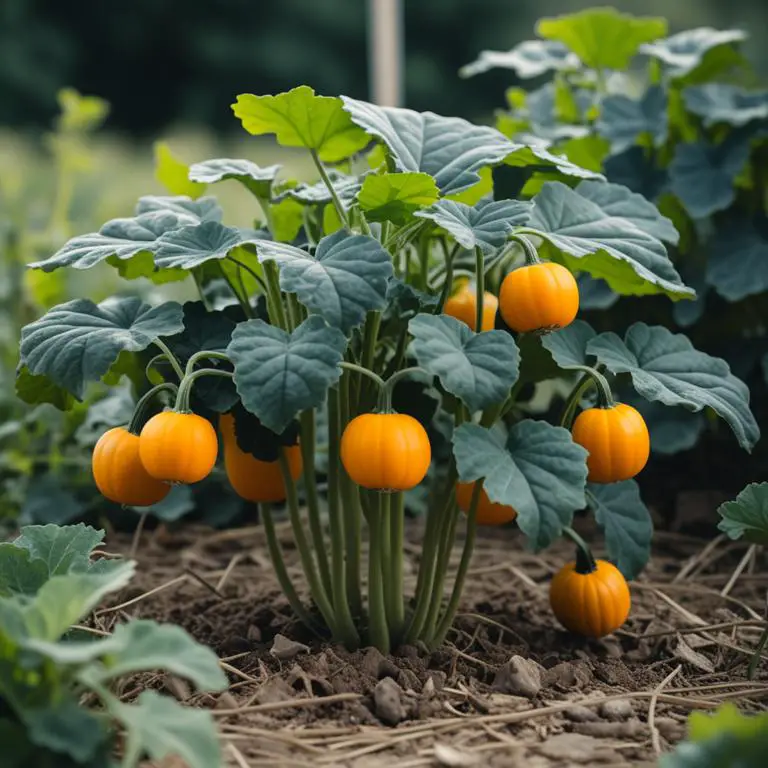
[
  {"x": 300, "y": 118},
  {"x": 568, "y": 346},
  {"x": 627, "y": 523},
  {"x": 254, "y": 438},
  {"x": 173, "y": 174},
  {"x": 726, "y": 103},
  {"x": 396, "y": 196},
  {"x": 202, "y": 209},
  {"x": 346, "y": 277},
  {"x": 77, "y": 342},
  {"x": 747, "y": 515},
  {"x": 254, "y": 178},
  {"x": 279, "y": 374},
  {"x": 478, "y": 368},
  {"x": 540, "y": 472},
  {"x": 33, "y": 390},
  {"x": 702, "y": 175},
  {"x": 528, "y": 59},
  {"x": 685, "y": 51},
  {"x": 593, "y": 239},
  {"x": 623, "y": 120},
  {"x": 738, "y": 259},
  {"x": 485, "y": 225},
  {"x": 602, "y": 38},
  {"x": 665, "y": 367}
]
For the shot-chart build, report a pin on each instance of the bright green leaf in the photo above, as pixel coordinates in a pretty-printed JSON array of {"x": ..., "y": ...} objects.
[
  {"x": 61, "y": 549},
  {"x": 396, "y": 196},
  {"x": 287, "y": 220},
  {"x": 528, "y": 59},
  {"x": 33, "y": 390},
  {"x": 747, "y": 516},
  {"x": 586, "y": 151},
  {"x": 539, "y": 157},
  {"x": 685, "y": 51},
  {"x": 254, "y": 178},
  {"x": 80, "y": 113},
  {"x": 174, "y": 174}
]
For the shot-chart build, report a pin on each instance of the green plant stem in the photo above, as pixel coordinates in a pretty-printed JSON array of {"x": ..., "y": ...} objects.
[
  {"x": 396, "y": 612},
  {"x": 316, "y": 589},
  {"x": 185, "y": 388},
  {"x": 152, "y": 363},
  {"x": 200, "y": 288},
  {"x": 448, "y": 280},
  {"x": 423, "y": 251},
  {"x": 266, "y": 209},
  {"x": 346, "y": 627},
  {"x": 205, "y": 354},
  {"x": 531, "y": 255},
  {"x": 137, "y": 420},
  {"x": 368, "y": 354},
  {"x": 337, "y": 204},
  {"x": 445, "y": 545},
  {"x": 385, "y": 511},
  {"x": 378, "y": 629},
  {"x": 276, "y": 555},
  {"x": 355, "y": 368},
  {"x": 591, "y": 377},
  {"x": 755, "y": 660},
  {"x": 585, "y": 560},
  {"x": 480, "y": 288},
  {"x": 242, "y": 300},
  {"x": 386, "y": 227},
  {"x": 258, "y": 278},
  {"x": 307, "y": 446},
  {"x": 275, "y": 298},
  {"x": 461, "y": 575},
  {"x": 172, "y": 359}
]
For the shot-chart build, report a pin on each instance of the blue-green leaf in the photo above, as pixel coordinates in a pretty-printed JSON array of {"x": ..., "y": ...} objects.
[
  {"x": 279, "y": 374},
  {"x": 672, "y": 429},
  {"x": 738, "y": 260},
  {"x": 747, "y": 515},
  {"x": 61, "y": 549},
  {"x": 539, "y": 471},
  {"x": 725, "y": 103},
  {"x": 568, "y": 346},
  {"x": 685, "y": 51},
  {"x": 528, "y": 59},
  {"x": 202, "y": 209},
  {"x": 623, "y": 120},
  {"x": 634, "y": 170},
  {"x": 254, "y": 178},
  {"x": 317, "y": 193},
  {"x": 65, "y": 728},
  {"x": 190, "y": 247}
]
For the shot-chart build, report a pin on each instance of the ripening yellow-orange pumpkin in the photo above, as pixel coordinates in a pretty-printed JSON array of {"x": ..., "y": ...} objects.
[
  {"x": 617, "y": 440},
  {"x": 178, "y": 447},
  {"x": 119, "y": 473},
  {"x": 463, "y": 306},
  {"x": 539, "y": 297},
  {"x": 591, "y": 604},
  {"x": 488, "y": 512},
  {"x": 386, "y": 451},
  {"x": 252, "y": 479}
]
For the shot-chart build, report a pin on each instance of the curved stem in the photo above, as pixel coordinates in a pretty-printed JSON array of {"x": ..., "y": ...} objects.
[
  {"x": 172, "y": 359},
  {"x": 585, "y": 561},
  {"x": 480, "y": 288},
  {"x": 755, "y": 660},
  {"x": 152, "y": 363},
  {"x": 605, "y": 396},
  {"x": 138, "y": 412},
  {"x": 250, "y": 271},
  {"x": 328, "y": 183},
  {"x": 591, "y": 378},
  {"x": 204, "y": 354},
  {"x": 531, "y": 256},
  {"x": 185, "y": 388},
  {"x": 392, "y": 381}
]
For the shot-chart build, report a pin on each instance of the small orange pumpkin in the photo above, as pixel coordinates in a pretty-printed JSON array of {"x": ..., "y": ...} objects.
[
  {"x": 463, "y": 306},
  {"x": 592, "y": 604},
  {"x": 617, "y": 440},
  {"x": 539, "y": 297},
  {"x": 488, "y": 512},
  {"x": 178, "y": 447},
  {"x": 386, "y": 451},
  {"x": 119, "y": 473},
  {"x": 252, "y": 479}
]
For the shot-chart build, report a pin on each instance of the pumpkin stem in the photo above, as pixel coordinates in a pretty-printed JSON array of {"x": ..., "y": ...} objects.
[
  {"x": 137, "y": 420},
  {"x": 585, "y": 560},
  {"x": 531, "y": 255},
  {"x": 185, "y": 388},
  {"x": 479, "y": 288}
]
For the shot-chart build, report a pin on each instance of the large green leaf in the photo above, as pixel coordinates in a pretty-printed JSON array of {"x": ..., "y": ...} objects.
[
  {"x": 299, "y": 118},
  {"x": 202, "y": 209},
  {"x": 665, "y": 367},
  {"x": 19, "y": 573},
  {"x": 623, "y": 120},
  {"x": 478, "y": 368},
  {"x": 396, "y": 196},
  {"x": 346, "y": 277},
  {"x": 593, "y": 239},
  {"x": 539, "y": 158},
  {"x": 158, "y": 727},
  {"x": 738, "y": 259},
  {"x": 77, "y": 342},
  {"x": 173, "y": 174},
  {"x": 539, "y": 471},
  {"x": 254, "y": 178},
  {"x": 40, "y": 389},
  {"x": 620, "y": 511},
  {"x": 685, "y": 51},
  {"x": 747, "y": 516},
  {"x": 192, "y": 246},
  {"x": 672, "y": 429},
  {"x": 279, "y": 374},
  {"x": 568, "y": 346},
  {"x": 528, "y": 59},
  {"x": 602, "y": 38},
  {"x": 703, "y": 175},
  {"x": 61, "y": 549},
  {"x": 725, "y": 103},
  {"x": 485, "y": 225},
  {"x": 634, "y": 170}
]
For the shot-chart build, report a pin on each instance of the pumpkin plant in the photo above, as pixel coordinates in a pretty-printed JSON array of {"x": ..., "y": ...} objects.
[{"x": 315, "y": 320}]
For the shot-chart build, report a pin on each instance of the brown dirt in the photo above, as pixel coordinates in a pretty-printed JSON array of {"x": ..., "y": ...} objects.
[{"x": 316, "y": 704}]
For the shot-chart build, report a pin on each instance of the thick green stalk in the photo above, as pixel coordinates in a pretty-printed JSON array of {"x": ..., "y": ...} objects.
[
  {"x": 327, "y": 181},
  {"x": 385, "y": 511},
  {"x": 307, "y": 445},
  {"x": 445, "y": 546},
  {"x": 172, "y": 359},
  {"x": 396, "y": 613},
  {"x": 276, "y": 555},
  {"x": 480, "y": 288},
  {"x": 574, "y": 398},
  {"x": 242, "y": 299},
  {"x": 448, "y": 280},
  {"x": 319, "y": 595},
  {"x": 378, "y": 630},
  {"x": 370, "y": 334},
  {"x": 137, "y": 420},
  {"x": 275, "y": 298}
]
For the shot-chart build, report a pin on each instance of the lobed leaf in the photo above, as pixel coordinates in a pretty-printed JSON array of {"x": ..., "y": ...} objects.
[
  {"x": 568, "y": 346},
  {"x": 623, "y": 120},
  {"x": 396, "y": 197},
  {"x": 737, "y": 266},
  {"x": 685, "y": 51},
  {"x": 747, "y": 515},
  {"x": 531, "y": 58},
  {"x": 255, "y": 179}
]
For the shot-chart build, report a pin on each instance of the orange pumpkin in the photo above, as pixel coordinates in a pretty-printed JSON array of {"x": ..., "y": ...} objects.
[
  {"x": 592, "y": 604},
  {"x": 617, "y": 440},
  {"x": 539, "y": 297},
  {"x": 386, "y": 451},
  {"x": 178, "y": 447},
  {"x": 488, "y": 512},
  {"x": 119, "y": 473},
  {"x": 252, "y": 479},
  {"x": 463, "y": 306}
]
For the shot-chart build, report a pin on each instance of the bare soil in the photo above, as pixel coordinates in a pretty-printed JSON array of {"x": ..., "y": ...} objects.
[{"x": 509, "y": 687}]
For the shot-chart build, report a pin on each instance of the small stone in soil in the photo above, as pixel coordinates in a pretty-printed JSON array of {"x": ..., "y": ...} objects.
[
  {"x": 579, "y": 714},
  {"x": 377, "y": 666},
  {"x": 574, "y": 674},
  {"x": 617, "y": 709},
  {"x": 387, "y": 702},
  {"x": 578, "y": 748},
  {"x": 519, "y": 677},
  {"x": 284, "y": 649}
]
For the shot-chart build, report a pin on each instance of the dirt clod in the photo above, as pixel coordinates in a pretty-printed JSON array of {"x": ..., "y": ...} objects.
[
  {"x": 387, "y": 702},
  {"x": 284, "y": 649},
  {"x": 567, "y": 675},
  {"x": 580, "y": 714},
  {"x": 519, "y": 677},
  {"x": 579, "y": 749},
  {"x": 617, "y": 709}
]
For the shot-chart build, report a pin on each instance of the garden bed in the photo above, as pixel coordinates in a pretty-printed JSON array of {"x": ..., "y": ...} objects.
[{"x": 509, "y": 686}]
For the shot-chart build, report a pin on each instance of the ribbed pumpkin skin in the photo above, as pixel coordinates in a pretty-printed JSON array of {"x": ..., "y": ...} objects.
[
  {"x": 386, "y": 451},
  {"x": 488, "y": 512},
  {"x": 617, "y": 440},
  {"x": 119, "y": 474},
  {"x": 178, "y": 447},
  {"x": 252, "y": 479},
  {"x": 539, "y": 297},
  {"x": 463, "y": 306},
  {"x": 593, "y": 604}
]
